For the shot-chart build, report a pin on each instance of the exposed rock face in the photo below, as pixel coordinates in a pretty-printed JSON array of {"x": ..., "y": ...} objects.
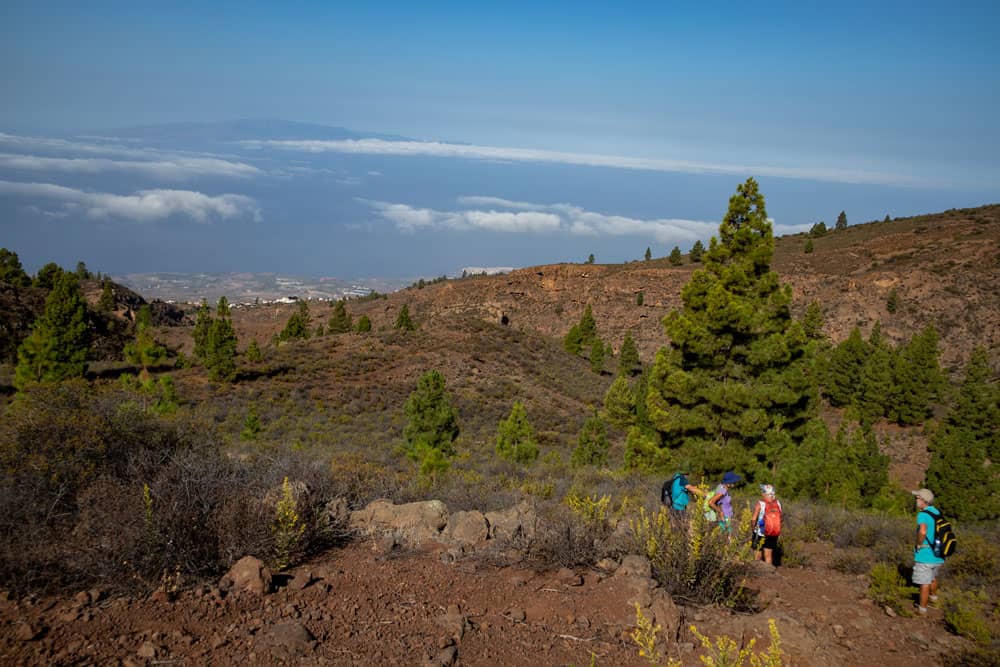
[
  {"x": 412, "y": 522},
  {"x": 467, "y": 528},
  {"x": 518, "y": 521},
  {"x": 248, "y": 574}
]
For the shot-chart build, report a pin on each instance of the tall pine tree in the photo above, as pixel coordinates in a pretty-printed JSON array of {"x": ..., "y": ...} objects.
[
  {"x": 516, "y": 438},
  {"x": 738, "y": 364},
  {"x": 220, "y": 353},
  {"x": 963, "y": 472},
  {"x": 56, "y": 348},
  {"x": 628, "y": 357}
]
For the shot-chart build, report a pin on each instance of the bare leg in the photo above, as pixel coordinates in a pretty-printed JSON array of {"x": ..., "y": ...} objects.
[
  {"x": 925, "y": 590},
  {"x": 769, "y": 556}
]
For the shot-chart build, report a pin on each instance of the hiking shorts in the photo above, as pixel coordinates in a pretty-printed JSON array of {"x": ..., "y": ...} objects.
[{"x": 925, "y": 573}]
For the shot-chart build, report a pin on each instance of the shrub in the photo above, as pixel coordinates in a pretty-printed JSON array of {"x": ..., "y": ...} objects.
[
  {"x": 725, "y": 652},
  {"x": 965, "y": 613},
  {"x": 887, "y": 587},
  {"x": 565, "y": 538},
  {"x": 516, "y": 438},
  {"x": 693, "y": 559}
]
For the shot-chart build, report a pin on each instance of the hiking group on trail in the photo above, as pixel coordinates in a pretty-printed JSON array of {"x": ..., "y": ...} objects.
[{"x": 935, "y": 540}]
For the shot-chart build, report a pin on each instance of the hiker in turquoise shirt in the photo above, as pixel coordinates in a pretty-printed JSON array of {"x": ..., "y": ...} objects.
[
  {"x": 925, "y": 563},
  {"x": 681, "y": 489}
]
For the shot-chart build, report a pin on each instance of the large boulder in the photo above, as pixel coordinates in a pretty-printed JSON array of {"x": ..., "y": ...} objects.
[
  {"x": 411, "y": 522},
  {"x": 467, "y": 528},
  {"x": 248, "y": 574},
  {"x": 513, "y": 523}
]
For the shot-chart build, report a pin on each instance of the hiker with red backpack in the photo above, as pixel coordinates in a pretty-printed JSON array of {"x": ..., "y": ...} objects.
[{"x": 766, "y": 524}]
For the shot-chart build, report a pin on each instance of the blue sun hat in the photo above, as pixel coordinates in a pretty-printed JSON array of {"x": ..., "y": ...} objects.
[{"x": 731, "y": 478}]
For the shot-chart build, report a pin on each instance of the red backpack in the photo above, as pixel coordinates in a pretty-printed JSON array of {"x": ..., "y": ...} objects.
[{"x": 772, "y": 518}]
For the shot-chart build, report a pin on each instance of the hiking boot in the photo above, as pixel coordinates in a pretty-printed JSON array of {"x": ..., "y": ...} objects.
[
  {"x": 932, "y": 598},
  {"x": 922, "y": 611}
]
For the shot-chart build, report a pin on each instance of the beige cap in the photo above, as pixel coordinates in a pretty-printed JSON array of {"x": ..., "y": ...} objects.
[{"x": 924, "y": 494}]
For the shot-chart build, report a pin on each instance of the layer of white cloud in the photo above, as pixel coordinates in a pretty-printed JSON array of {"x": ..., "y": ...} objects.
[
  {"x": 478, "y": 152},
  {"x": 175, "y": 168},
  {"x": 141, "y": 206},
  {"x": 175, "y": 165},
  {"x": 522, "y": 216}
]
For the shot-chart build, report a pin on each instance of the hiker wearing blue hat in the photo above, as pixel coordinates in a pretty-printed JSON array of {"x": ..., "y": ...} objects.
[{"x": 720, "y": 504}]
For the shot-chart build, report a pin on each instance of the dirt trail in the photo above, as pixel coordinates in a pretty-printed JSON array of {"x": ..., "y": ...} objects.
[{"x": 366, "y": 607}]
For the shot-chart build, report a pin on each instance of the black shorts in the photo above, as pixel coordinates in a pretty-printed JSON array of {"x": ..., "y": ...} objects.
[{"x": 765, "y": 542}]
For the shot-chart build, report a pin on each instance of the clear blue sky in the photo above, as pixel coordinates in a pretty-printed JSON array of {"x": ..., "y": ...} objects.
[{"x": 905, "y": 91}]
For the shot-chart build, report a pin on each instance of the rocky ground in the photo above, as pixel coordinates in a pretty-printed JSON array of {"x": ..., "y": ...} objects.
[{"x": 373, "y": 604}]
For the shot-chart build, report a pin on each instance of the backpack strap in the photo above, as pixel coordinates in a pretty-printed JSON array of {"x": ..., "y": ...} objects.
[{"x": 934, "y": 516}]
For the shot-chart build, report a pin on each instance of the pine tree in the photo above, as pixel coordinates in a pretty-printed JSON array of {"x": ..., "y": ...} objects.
[
  {"x": 843, "y": 369},
  {"x": 430, "y": 433},
  {"x": 202, "y": 327},
  {"x": 738, "y": 364},
  {"x": 812, "y": 321},
  {"x": 675, "y": 256},
  {"x": 649, "y": 254},
  {"x": 573, "y": 341},
  {"x": 516, "y": 438},
  {"x": 597, "y": 356},
  {"x": 220, "y": 352},
  {"x": 619, "y": 403},
  {"x": 628, "y": 357},
  {"x": 809, "y": 247},
  {"x": 56, "y": 348},
  {"x": 82, "y": 273},
  {"x": 841, "y": 222},
  {"x": 892, "y": 301},
  {"x": 297, "y": 326},
  {"x": 340, "y": 322},
  {"x": 963, "y": 470},
  {"x": 917, "y": 378},
  {"x": 817, "y": 230},
  {"x": 364, "y": 324},
  {"x": 11, "y": 271},
  {"x": 592, "y": 445},
  {"x": 588, "y": 327},
  {"x": 106, "y": 303},
  {"x": 144, "y": 351},
  {"x": 251, "y": 424},
  {"x": 403, "y": 321},
  {"x": 47, "y": 276},
  {"x": 590, "y": 258},
  {"x": 872, "y": 396},
  {"x": 697, "y": 250},
  {"x": 253, "y": 353},
  {"x": 640, "y": 297}
]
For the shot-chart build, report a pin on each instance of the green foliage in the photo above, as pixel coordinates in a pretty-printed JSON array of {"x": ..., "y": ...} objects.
[
  {"x": 697, "y": 250},
  {"x": 628, "y": 357},
  {"x": 167, "y": 400},
  {"x": 11, "y": 271},
  {"x": 843, "y": 369},
  {"x": 619, "y": 403},
  {"x": 817, "y": 230},
  {"x": 841, "y": 224},
  {"x": 106, "y": 303},
  {"x": 144, "y": 351},
  {"x": 57, "y": 347},
  {"x": 812, "y": 321},
  {"x": 892, "y": 301},
  {"x": 581, "y": 335},
  {"x": 876, "y": 378},
  {"x": 809, "y": 247},
  {"x": 254, "y": 354},
  {"x": 403, "y": 321},
  {"x": 82, "y": 273},
  {"x": 960, "y": 474},
  {"x": 675, "y": 256},
  {"x": 516, "y": 438},
  {"x": 287, "y": 528},
  {"x": 432, "y": 425},
  {"x": 888, "y": 588},
  {"x": 48, "y": 275},
  {"x": 592, "y": 445},
  {"x": 590, "y": 258},
  {"x": 847, "y": 470},
  {"x": 917, "y": 378},
  {"x": 640, "y": 297},
  {"x": 597, "y": 356},
  {"x": 341, "y": 321},
  {"x": 220, "y": 352},
  {"x": 297, "y": 326},
  {"x": 364, "y": 324},
  {"x": 738, "y": 365},
  {"x": 965, "y": 613},
  {"x": 251, "y": 424},
  {"x": 649, "y": 254},
  {"x": 202, "y": 327}
]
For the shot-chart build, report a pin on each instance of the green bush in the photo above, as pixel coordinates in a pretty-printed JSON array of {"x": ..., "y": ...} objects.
[
  {"x": 965, "y": 614},
  {"x": 887, "y": 587}
]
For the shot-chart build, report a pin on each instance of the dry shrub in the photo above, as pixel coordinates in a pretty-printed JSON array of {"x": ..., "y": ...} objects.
[{"x": 565, "y": 538}]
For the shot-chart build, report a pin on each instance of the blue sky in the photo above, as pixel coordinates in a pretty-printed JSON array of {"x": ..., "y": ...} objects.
[{"x": 540, "y": 133}]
